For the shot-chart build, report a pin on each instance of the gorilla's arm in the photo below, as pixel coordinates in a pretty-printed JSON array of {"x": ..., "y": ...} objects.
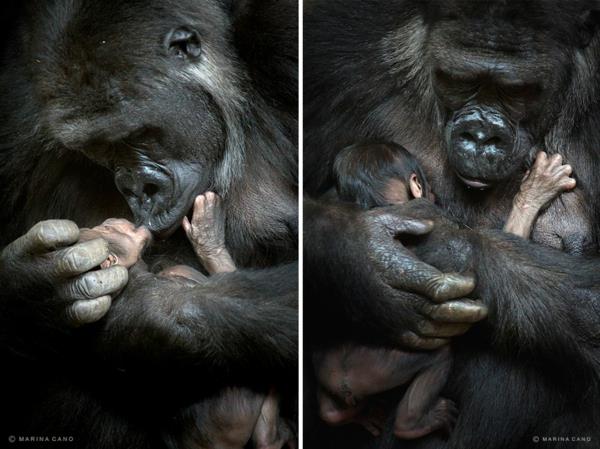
[
  {"x": 353, "y": 289},
  {"x": 541, "y": 301},
  {"x": 235, "y": 322}
]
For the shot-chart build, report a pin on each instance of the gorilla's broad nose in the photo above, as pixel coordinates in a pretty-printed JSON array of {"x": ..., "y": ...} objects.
[
  {"x": 480, "y": 133},
  {"x": 147, "y": 189}
]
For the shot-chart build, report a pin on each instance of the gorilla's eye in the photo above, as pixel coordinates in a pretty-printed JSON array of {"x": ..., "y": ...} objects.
[{"x": 183, "y": 42}]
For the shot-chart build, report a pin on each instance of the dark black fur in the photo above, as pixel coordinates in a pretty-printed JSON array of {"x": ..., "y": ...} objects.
[
  {"x": 81, "y": 83},
  {"x": 532, "y": 369}
]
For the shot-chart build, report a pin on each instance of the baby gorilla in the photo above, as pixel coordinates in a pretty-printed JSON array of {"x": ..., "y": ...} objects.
[
  {"x": 230, "y": 420},
  {"x": 383, "y": 174},
  {"x": 236, "y": 415}
]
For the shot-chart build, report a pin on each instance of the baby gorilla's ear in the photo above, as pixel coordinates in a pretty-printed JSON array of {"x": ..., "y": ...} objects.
[{"x": 414, "y": 186}]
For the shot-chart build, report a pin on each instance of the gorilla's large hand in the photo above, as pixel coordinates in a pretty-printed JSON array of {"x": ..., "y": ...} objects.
[
  {"x": 48, "y": 259},
  {"x": 358, "y": 257}
]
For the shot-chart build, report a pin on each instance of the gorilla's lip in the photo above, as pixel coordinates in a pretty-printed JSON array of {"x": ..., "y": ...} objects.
[
  {"x": 165, "y": 233},
  {"x": 474, "y": 182}
]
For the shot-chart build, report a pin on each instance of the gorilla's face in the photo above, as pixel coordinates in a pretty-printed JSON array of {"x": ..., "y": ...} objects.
[
  {"x": 494, "y": 69},
  {"x": 150, "y": 101}
]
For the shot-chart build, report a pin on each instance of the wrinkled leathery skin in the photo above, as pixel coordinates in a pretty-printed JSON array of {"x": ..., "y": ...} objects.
[{"x": 49, "y": 255}]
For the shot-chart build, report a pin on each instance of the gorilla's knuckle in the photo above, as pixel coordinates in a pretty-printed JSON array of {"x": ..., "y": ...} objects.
[
  {"x": 41, "y": 233},
  {"x": 87, "y": 286},
  {"x": 71, "y": 260}
]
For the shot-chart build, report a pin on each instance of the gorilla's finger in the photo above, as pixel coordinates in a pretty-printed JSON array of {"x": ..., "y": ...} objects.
[
  {"x": 411, "y": 340},
  {"x": 88, "y": 311},
  {"x": 449, "y": 286},
  {"x": 401, "y": 225},
  {"x": 459, "y": 311},
  {"x": 80, "y": 258},
  {"x": 94, "y": 284},
  {"x": 414, "y": 275},
  {"x": 441, "y": 330},
  {"x": 46, "y": 236}
]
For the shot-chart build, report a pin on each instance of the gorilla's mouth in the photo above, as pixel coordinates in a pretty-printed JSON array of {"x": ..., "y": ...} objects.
[
  {"x": 474, "y": 183},
  {"x": 159, "y": 198}
]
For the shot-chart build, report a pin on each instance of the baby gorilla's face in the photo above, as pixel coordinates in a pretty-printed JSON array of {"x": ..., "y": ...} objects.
[
  {"x": 125, "y": 242},
  {"x": 396, "y": 192},
  {"x": 399, "y": 191}
]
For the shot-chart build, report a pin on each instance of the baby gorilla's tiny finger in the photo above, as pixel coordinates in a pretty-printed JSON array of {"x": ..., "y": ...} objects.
[
  {"x": 568, "y": 184},
  {"x": 186, "y": 225},
  {"x": 564, "y": 170},
  {"x": 540, "y": 160},
  {"x": 88, "y": 311},
  {"x": 199, "y": 209},
  {"x": 94, "y": 284},
  {"x": 555, "y": 161}
]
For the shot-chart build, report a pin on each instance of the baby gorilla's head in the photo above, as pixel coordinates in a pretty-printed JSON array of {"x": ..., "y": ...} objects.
[
  {"x": 378, "y": 174},
  {"x": 125, "y": 242}
]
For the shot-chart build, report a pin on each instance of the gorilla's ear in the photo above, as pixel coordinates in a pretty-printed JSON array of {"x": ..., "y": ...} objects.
[{"x": 183, "y": 42}]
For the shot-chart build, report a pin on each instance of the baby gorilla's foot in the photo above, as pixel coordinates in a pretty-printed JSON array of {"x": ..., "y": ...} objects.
[
  {"x": 206, "y": 232},
  {"x": 442, "y": 416}
]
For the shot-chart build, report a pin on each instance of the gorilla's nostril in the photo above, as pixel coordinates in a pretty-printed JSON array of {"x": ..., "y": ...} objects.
[
  {"x": 466, "y": 136},
  {"x": 493, "y": 141},
  {"x": 150, "y": 190}
]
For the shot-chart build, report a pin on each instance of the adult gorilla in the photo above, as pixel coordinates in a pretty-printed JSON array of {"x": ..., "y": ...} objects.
[
  {"x": 131, "y": 109},
  {"x": 473, "y": 89}
]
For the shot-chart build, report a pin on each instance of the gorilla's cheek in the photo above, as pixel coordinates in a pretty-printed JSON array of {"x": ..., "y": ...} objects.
[{"x": 160, "y": 194}]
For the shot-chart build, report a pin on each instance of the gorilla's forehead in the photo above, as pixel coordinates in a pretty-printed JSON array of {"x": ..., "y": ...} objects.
[
  {"x": 509, "y": 24},
  {"x": 120, "y": 29}
]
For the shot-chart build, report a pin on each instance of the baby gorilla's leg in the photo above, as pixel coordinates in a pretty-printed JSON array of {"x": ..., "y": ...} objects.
[
  {"x": 206, "y": 232},
  {"x": 226, "y": 421},
  {"x": 421, "y": 410},
  {"x": 271, "y": 431}
]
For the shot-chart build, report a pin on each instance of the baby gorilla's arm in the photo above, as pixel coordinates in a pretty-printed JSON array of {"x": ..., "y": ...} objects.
[
  {"x": 206, "y": 232},
  {"x": 546, "y": 181}
]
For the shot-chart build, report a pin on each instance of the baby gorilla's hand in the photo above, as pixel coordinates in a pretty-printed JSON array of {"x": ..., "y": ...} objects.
[
  {"x": 206, "y": 232},
  {"x": 125, "y": 242},
  {"x": 547, "y": 179}
]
